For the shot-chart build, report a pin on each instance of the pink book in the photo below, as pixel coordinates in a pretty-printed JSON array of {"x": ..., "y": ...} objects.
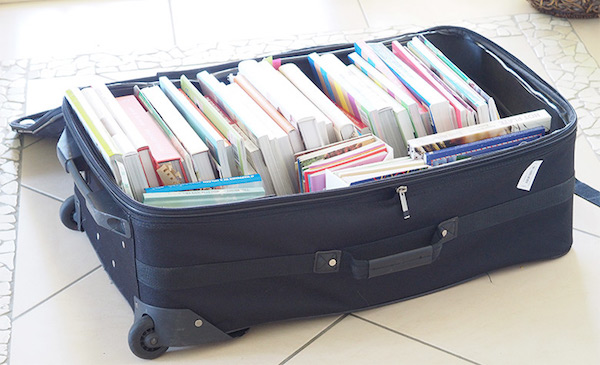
[
  {"x": 459, "y": 107},
  {"x": 168, "y": 163}
]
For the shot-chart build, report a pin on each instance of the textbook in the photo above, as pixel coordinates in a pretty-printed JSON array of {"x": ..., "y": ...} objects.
[
  {"x": 483, "y": 146},
  {"x": 439, "y": 108},
  {"x": 292, "y": 132},
  {"x": 196, "y": 198},
  {"x": 358, "y": 99},
  {"x": 284, "y": 96},
  {"x": 130, "y": 157},
  {"x": 137, "y": 140},
  {"x": 419, "y": 146},
  {"x": 393, "y": 90},
  {"x": 166, "y": 161},
  {"x": 100, "y": 137},
  {"x": 189, "y": 172},
  {"x": 490, "y": 101},
  {"x": 342, "y": 125},
  {"x": 463, "y": 114},
  {"x": 215, "y": 142},
  {"x": 226, "y": 183},
  {"x": 372, "y": 172},
  {"x": 257, "y": 125},
  {"x": 477, "y": 102},
  {"x": 236, "y": 155}
]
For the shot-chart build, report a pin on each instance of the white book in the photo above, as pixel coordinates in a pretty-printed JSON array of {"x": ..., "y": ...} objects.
[
  {"x": 419, "y": 146},
  {"x": 343, "y": 127},
  {"x": 138, "y": 141},
  {"x": 99, "y": 136},
  {"x": 405, "y": 125},
  {"x": 292, "y": 104},
  {"x": 256, "y": 161},
  {"x": 393, "y": 90},
  {"x": 190, "y": 141},
  {"x": 439, "y": 107},
  {"x": 206, "y": 131},
  {"x": 130, "y": 157},
  {"x": 476, "y": 101},
  {"x": 231, "y": 99},
  {"x": 384, "y": 122}
]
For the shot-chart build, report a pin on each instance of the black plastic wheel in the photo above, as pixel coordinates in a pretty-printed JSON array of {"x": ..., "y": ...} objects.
[
  {"x": 143, "y": 339},
  {"x": 68, "y": 213}
]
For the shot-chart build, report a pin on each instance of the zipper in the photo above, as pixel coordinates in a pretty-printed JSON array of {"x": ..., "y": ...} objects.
[{"x": 401, "y": 190}]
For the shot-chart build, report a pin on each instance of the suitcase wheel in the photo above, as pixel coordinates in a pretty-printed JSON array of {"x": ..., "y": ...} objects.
[
  {"x": 69, "y": 214},
  {"x": 143, "y": 339}
]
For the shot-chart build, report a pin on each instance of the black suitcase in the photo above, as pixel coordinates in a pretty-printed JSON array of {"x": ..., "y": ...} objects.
[{"x": 199, "y": 275}]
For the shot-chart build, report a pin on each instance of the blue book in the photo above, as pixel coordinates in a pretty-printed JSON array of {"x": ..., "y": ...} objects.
[
  {"x": 488, "y": 145},
  {"x": 230, "y": 182}
]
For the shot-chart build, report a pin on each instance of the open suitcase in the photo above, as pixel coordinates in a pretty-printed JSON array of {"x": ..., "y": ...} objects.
[{"x": 198, "y": 275}]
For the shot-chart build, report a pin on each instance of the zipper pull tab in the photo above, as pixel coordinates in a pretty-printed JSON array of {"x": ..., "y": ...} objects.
[{"x": 401, "y": 190}]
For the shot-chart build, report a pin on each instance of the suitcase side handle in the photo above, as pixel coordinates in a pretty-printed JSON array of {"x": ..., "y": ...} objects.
[
  {"x": 99, "y": 204},
  {"x": 366, "y": 269}
]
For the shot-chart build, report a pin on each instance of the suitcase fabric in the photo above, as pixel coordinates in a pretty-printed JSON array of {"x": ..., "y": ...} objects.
[{"x": 197, "y": 275}]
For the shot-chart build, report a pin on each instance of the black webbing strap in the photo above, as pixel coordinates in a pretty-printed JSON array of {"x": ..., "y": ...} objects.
[
  {"x": 586, "y": 192},
  {"x": 196, "y": 276}
]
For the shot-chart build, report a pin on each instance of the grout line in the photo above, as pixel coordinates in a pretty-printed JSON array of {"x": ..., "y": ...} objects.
[
  {"x": 47, "y": 195},
  {"x": 415, "y": 339},
  {"x": 172, "y": 23},
  {"x": 58, "y": 292},
  {"x": 363, "y": 13},
  {"x": 586, "y": 232},
  {"x": 313, "y": 339}
]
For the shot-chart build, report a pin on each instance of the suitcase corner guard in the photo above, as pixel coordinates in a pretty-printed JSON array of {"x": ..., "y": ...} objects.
[{"x": 156, "y": 329}]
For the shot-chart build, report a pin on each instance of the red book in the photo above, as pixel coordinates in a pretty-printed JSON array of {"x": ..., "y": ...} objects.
[{"x": 168, "y": 163}]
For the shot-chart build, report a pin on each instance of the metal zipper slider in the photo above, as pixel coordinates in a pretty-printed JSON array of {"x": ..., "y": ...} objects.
[{"x": 401, "y": 190}]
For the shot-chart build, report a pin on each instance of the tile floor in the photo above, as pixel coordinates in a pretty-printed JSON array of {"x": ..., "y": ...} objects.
[{"x": 64, "y": 309}]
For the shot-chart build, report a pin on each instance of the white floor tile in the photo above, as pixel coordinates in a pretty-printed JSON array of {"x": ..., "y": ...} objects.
[
  {"x": 587, "y": 164},
  {"x": 42, "y": 171},
  {"x": 588, "y": 30},
  {"x": 197, "y": 22},
  {"x": 49, "y": 256},
  {"x": 355, "y": 341},
  {"x": 539, "y": 313},
  {"x": 78, "y": 27},
  {"x": 88, "y": 324},
  {"x": 381, "y": 13}
]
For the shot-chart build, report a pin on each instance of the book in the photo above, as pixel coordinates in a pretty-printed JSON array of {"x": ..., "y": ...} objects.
[
  {"x": 424, "y": 53},
  {"x": 393, "y": 90},
  {"x": 256, "y": 162},
  {"x": 226, "y": 183},
  {"x": 292, "y": 104},
  {"x": 284, "y": 124},
  {"x": 493, "y": 109},
  {"x": 463, "y": 114},
  {"x": 402, "y": 92},
  {"x": 196, "y": 198},
  {"x": 166, "y": 161},
  {"x": 129, "y": 155},
  {"x": 236, "y": 155},
  {"x": 372, "y": 172},
  {"x": 137, "y": 140},
  {"x": 488, "y": 145},
  {"x": 314, "y": 174},
  {"x": 176, "y": 123},
  {"x": 257, "y": 125},
  {"x": 419, "y": 146},
  {"x": 215, "y": 142},
  {"x": 373, "y": 108},
  {"x": 342, "y": 125},
  {"x": 188, "y": 166},
  {"x": 438, "y": 106},
  {"x": 100, "y": 137}
]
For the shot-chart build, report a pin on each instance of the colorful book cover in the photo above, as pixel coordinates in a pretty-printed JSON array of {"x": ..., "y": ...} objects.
[
  {"x": 483, "y": 146},
  {"x": 236, "y": 181}
]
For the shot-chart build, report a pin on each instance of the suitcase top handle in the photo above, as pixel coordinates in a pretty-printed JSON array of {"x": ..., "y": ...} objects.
[{"x": 343, "y": 262}]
